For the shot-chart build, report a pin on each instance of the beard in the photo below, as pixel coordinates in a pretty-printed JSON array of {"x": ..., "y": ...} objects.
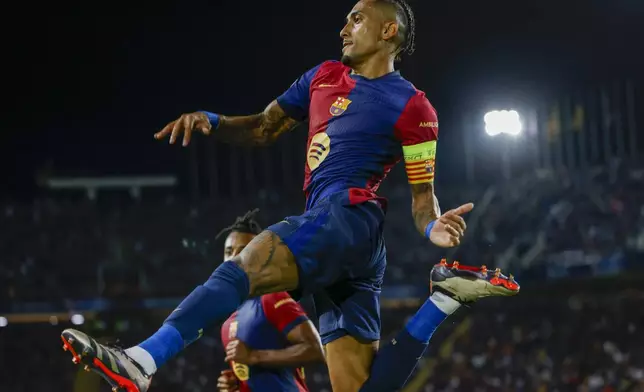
[{"x": 346, "y": 60}]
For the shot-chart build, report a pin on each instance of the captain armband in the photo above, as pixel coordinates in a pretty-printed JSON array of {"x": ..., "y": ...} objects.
[{"x": 419, "y": 162}]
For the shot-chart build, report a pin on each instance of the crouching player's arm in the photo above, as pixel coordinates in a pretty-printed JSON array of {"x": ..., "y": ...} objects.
[
  {"x": 417, "y": 129},
  {"x": 289, "y": 318},
  {"x": 305, "y": 347}
]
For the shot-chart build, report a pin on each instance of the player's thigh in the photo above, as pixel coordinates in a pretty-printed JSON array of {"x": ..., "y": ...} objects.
[
  {"x": 323, "y": 240},
  {"x": 269, "y": 264},
  {"x": 349, "y": 362},
  {"x": 288, "y": 253}
]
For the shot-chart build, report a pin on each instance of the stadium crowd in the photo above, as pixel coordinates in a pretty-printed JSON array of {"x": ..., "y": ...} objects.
[
  {"x": 550, "y": 343},
  {"x": 576, "y": 221},
  {"x": 560, "y": 225}
]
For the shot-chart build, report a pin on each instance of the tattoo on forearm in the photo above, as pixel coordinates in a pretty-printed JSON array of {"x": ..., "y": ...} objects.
[
  {"x": 424, "y": 207},
  {"x": 255, "y": 130}
]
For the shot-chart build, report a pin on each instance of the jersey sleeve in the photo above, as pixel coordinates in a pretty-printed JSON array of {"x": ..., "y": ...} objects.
[
  {"x": 283, "y": 312},
  {"x": 295, "y": 101},
  {"x": 417, "y": 130}
]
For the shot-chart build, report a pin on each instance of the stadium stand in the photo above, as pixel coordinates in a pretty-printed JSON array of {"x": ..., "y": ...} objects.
[{"x": 551, "y": 228}]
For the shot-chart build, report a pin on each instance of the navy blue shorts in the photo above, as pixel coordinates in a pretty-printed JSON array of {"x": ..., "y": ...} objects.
[{"x": 341, "y": 258}]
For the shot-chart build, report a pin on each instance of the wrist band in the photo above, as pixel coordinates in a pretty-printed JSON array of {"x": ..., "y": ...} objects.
[
  {"x": 429, "y": 227},
  {"x": 212, "y": 118}
]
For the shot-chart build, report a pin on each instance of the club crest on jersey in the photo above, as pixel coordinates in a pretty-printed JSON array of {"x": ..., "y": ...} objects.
[{"x": 339, "y": 106}]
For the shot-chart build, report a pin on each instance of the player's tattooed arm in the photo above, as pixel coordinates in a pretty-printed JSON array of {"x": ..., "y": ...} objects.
[
  {"x": 424, "y": 205},
  {"x": 255, "y": 130}
]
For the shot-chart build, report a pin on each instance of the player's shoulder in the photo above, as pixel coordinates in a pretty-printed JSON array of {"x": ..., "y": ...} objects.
[
  {"x": 401, "y": 92},
  {"x": 413, "y": 92},
  {"x": 418, "y": 100}
]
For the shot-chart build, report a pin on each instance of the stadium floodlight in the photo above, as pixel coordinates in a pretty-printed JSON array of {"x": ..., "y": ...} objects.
[
  {"x": 78, "y": 319},
  {"x": 3, "y": 321},
  {"x": 503, "y": 121}
]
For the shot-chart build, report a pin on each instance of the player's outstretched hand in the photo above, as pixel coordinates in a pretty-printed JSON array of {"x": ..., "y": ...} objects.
[
  {"x": 450, "y": 227},
  {"x": 238, "y": 351},
  {"x": 185, "y": 125},
  {"x": 227, "y": 382}
]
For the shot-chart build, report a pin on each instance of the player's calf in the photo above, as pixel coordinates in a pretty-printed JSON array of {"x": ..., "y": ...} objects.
[
  {"x": 451, "y": 285},
  {"x": 265, "y": 265}
]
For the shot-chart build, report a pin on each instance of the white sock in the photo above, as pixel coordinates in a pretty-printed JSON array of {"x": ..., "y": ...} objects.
[
  {"x": 143, "y": 358},
  {"x": 446, "y": 304}
]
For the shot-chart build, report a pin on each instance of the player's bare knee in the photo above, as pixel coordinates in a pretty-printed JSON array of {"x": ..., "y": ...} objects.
[{"x": 269, "y": 264}]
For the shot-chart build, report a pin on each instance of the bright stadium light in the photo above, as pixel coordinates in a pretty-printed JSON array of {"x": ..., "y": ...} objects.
[
  {"x": 503, "y": 121},
  {"x": 3, "y": 322},
  {"x": 78, "y": 319}
]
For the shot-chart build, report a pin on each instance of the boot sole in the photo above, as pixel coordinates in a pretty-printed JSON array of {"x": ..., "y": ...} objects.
[{"x": 85, "y": 355}]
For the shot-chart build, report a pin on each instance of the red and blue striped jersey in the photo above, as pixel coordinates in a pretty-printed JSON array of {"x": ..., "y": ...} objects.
[
  {"x": 263, "y": 323},
  {"x": 359, "y": 128}
]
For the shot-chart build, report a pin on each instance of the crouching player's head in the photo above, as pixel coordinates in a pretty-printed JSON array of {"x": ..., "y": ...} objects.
[{"x": 240, "y": 234}]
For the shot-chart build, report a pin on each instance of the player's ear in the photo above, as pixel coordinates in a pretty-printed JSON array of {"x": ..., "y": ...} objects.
[{"x": 389, "y": 30}]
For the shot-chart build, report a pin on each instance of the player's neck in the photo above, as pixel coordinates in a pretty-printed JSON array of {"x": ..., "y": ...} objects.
[{"x": 374, "y": 67}]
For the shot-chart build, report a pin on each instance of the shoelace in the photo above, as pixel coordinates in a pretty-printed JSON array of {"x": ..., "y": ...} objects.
[{"x": 114, "y": 345}]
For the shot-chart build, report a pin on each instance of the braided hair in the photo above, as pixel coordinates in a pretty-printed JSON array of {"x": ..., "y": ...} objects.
[
  {"x": 407, "y": 28},
  {"x": 243, "y": 224}
]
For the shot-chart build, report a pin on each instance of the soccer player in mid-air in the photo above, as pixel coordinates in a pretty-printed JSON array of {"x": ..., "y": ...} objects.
[{"x": 363, "y": 118}]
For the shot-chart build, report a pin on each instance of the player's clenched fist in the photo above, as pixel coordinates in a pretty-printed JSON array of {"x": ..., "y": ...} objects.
[
  {"x": 185, "y": 125},
  {"x": 239, "y": 352},
  {"x": 449, "y": 228},
  {"x": 227, "y": 382}
]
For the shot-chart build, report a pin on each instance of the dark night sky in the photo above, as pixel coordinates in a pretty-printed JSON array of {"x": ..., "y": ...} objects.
[{"x": 87, "y": 84}]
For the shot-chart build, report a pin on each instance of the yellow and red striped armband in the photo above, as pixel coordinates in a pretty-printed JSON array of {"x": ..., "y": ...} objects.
[{"x": 419, "y": 162}]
